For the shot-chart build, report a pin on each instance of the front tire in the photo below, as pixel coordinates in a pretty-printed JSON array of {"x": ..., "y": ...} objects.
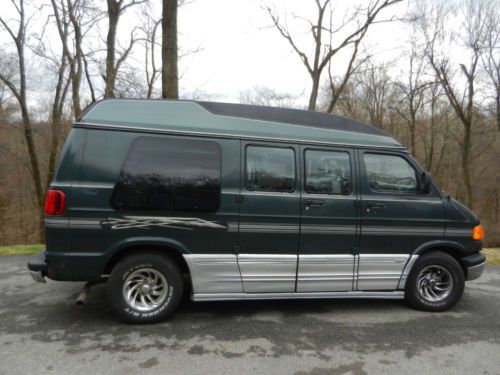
[
  {"x": 435, "y": 283},
  {"x": 145, "y": 288}
]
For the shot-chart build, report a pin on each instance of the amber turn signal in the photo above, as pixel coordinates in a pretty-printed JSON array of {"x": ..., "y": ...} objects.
[{"x": 478, "y": 233}]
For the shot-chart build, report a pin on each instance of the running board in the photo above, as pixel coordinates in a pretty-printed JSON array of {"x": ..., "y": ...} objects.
[{"x": 319, "y": 295}]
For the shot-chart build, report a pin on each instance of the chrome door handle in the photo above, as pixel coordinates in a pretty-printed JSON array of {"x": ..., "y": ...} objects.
[
  {"x": 375, "y": 204},
  {"x": 314, "y": 202}
]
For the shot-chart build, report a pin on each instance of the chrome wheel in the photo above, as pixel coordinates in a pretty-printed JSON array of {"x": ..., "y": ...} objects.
[
  {"x": 145, "y": 289},
  {"x": 434, "y": 283}
]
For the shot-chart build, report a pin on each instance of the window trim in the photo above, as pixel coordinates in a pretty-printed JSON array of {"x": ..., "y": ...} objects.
[
  {"x": 398, "y": 193},
  {"x": 168, "y": 138},
  {"x": 275, "y": 147},
  {"x": 349, "y": 154}
]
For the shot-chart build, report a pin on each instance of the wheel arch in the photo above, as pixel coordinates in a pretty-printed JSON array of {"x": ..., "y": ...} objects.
[
  {"x": 454, "y": 249},
  {"x": 164, "y": 247}
]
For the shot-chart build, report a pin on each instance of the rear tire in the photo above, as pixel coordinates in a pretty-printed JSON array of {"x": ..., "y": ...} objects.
[
  {"x": 435, "y": 283},
  {"x": 145, "y": 288}
]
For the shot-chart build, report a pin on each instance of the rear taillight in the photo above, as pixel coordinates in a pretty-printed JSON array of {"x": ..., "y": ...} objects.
[{"x": 55, "y": 202}]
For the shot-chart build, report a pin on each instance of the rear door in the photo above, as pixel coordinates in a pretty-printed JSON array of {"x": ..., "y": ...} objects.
[
  {"x": 269, "y": 217},
  {"x": 329, "y": 228},
  {"x": 395, "y": 219}
]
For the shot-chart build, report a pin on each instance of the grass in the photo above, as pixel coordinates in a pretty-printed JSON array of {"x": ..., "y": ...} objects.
[
  {"x": 492, "y": 254},
  {"x": 21, "y": 249}
]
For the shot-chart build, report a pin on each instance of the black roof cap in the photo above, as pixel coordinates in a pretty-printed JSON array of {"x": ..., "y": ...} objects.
[{"x": 291, "y": 116}]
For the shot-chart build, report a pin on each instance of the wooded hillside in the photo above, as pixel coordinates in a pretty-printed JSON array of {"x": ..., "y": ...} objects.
[{"x": 440, "y": 97}]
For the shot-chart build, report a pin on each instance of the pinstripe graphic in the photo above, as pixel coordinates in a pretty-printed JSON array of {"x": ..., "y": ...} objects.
[
  {"x": 188, "y": 223},
  {"x": 458, "y": 232},
  {"x": 401, "y": 231}
]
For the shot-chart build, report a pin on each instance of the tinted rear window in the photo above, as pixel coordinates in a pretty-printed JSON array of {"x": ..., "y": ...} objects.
[{"x": 170, "y": 174}]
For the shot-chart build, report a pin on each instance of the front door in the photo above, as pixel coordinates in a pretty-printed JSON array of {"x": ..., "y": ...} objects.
[
  {"x": 269, "y": 217},
  {"x": 395, "y": 218},
  {"x": 329, "y": 227}
]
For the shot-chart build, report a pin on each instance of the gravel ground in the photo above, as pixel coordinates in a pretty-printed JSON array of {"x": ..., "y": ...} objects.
[{"x": 43, "y": 332}]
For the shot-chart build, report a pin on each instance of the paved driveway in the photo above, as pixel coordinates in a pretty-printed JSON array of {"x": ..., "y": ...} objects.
[{"x": 41, "y": 331}]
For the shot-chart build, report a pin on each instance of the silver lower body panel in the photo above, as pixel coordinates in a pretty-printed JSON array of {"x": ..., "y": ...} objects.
[
  {"x": 254, "y": 276},
  {"x": 262, "y": 273},
  {"x": 326, "y": 295},
  {"x": 214, "y": 273},
  {"x": 380, "y": 271},
  {"x": 325, "y": 273},
  {"x": 475, "y": 272}
]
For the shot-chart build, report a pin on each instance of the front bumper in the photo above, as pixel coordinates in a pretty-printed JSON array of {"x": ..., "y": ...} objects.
[
  {"x": 38, "y": 267},
  {"x": 474, "y": 266},
  {"x": 475, "y": 272}
]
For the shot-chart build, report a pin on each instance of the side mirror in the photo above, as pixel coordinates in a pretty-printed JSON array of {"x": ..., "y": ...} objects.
[{"x": 425, "y": 183}]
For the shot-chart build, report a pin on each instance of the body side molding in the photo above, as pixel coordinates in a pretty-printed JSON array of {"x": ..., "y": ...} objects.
[{"x": 256, "y": 296}]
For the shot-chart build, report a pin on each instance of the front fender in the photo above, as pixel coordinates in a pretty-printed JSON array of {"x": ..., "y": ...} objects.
[{"x": 443, "y": 244}]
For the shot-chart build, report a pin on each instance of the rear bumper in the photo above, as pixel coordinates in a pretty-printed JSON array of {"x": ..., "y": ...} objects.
[
  {"x": 38, "y": 267},
  {"x": 66, "y": 266},
  {"x": 474, "y": 266}
]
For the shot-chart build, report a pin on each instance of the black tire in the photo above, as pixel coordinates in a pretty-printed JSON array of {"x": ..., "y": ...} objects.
[
  {"x": 156, "y": 264},
  {"x": 427, "y": 262}
]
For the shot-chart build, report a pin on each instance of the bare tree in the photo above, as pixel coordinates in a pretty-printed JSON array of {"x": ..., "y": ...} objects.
[
  {"x": 73, "y": 20},
  {"x": 59, "y": 62},
  {"x": 261, "y": 95},
  {"x": 324, "y": 52},
  {"x": 376, "y": 87},
  {"x": 152, "y": 70},
  {"x": 412, "y": 91},
  {"x": 436, "y": 34},
  {"x": 435, "y": 136},
  {"x": 57, "y": 112},
  {"x": 19, "y": 91},
  {"x": 64, "y": 14},
  {"x": 490, "y": 55},
  {"x": 336, "y": 84},
  {"x": 115, "y": 9},
  {"x": 170, "y": 74}
]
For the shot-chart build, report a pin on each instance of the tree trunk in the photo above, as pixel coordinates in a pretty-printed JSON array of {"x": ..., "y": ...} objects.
[
  {"x": 497, "y": 101},
  {"x": 497, "y": 205},
  {"x": 28, "y": 131},
  {"x": 466, "y": 165},
  {"x": 169, "y": 76},
  {"x": 76, "y": 78},
  {"x": 314, "y": 92},
  {"x": 113, "y": 17},
  {"x": 413, "y": 133}
]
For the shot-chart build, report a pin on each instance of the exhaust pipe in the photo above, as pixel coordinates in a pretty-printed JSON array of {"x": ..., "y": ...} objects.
[{"x": 82, "y": 297}]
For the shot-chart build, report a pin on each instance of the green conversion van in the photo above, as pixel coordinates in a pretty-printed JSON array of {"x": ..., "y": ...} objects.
[{"x": 231, "y": 202}]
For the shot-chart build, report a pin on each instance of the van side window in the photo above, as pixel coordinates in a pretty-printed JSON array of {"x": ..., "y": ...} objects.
[
  {"x": 328, "y": 172},
  {"x": 170, "y": 174},
  {"x": 390, "y": 174},
  {"x": 270, "y": 169}
]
